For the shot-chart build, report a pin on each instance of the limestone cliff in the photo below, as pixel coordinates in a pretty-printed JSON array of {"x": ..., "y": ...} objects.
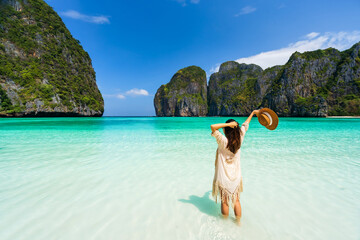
[
  {"x": 184, "y": 95},
  {"x": 315, "y": 84},
  {"x": 232, "y": 90},
  {"x": 44, "y": 71}
]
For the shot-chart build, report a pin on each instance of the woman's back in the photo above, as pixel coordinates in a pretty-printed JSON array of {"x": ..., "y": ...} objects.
[{"x": 227, "y": 180}]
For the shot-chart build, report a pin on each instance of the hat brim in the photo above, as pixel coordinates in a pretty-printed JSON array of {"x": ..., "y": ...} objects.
[{"x": 274, "y": 119}]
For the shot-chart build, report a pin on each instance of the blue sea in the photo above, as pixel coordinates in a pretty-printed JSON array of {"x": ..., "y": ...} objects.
[{"x": 151, "y": 178}]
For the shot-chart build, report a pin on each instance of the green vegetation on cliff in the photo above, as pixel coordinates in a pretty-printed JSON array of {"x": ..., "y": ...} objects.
[
  {"x": 185, "y": 76},
  {"x": 40, "y": 60},
  {"x": 184, "y": 95}
]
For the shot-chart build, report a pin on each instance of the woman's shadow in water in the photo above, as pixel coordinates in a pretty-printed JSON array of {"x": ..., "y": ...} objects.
[{"x": 204, "y": 204}]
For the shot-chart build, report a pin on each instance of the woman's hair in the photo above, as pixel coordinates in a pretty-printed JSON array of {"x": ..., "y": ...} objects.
[{"x": 233, "y": 136}]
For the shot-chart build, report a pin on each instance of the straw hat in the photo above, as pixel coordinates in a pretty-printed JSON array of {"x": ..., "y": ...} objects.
[{"x": 268, "y": 118}]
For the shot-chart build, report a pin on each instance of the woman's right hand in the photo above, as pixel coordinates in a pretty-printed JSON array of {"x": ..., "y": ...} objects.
[
  {"x": 256, "y": 112},
  {"x": 233, "y": 124}
]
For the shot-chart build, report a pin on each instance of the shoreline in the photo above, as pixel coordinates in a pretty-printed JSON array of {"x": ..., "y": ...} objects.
[
  {"x": 343, "y": 117},
  {"x": 82, "y": 116}
]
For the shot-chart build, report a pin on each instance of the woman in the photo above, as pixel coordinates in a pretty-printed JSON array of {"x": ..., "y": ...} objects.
[{"x": 227, "y": 179}]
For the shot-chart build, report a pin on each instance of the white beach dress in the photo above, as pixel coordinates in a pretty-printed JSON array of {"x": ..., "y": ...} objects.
[{"x": 227, "y": 178}]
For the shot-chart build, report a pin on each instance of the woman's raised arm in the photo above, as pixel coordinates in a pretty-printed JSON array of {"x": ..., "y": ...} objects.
[
  {"x": 217, "y": 126},
  {"x": 251, "y": 115}
]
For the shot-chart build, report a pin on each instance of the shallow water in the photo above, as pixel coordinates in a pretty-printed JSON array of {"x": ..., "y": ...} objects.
[{"x": 150, "y": 178}]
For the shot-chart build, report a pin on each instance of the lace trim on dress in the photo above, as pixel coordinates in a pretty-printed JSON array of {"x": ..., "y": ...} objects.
[{"x": 225, "y": 194}]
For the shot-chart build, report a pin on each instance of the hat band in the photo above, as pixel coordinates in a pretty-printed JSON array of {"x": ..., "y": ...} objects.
[{"x": 269, "y": 116}]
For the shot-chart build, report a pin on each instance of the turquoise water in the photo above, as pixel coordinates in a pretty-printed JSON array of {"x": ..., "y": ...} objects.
[{"x": 150, "y": 178}]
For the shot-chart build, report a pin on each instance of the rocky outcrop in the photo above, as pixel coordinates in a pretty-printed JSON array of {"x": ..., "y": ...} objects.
[
  {"x": 44, "y": 71},
  {"x": 311, "y": 84},
  {"x": 232, "y": 90},
  {"x": 317, "y": 84},
  {"x": 184, "y": 95}
]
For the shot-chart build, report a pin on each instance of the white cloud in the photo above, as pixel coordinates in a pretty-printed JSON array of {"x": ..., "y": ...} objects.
[
  {"x": 132, "y": 92},
  {"x": 86, "y": 18},
  {"x": 215, "y": 68},
  {"x": 246, "y": 10},
  {"x": 185, "y": 2},
  {"x": 137, "y": 92},
  {"x": 120, "y": 96},
  {"x": 312, "y": 35},
  {"x": 312, "y": 41}
]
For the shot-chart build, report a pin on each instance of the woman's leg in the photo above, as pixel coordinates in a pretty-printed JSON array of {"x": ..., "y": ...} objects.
[
  {"x": 237, "y": 209},
  {"x": 224, "y": 207}
]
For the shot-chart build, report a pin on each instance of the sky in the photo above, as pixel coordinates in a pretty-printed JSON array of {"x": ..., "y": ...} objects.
[{"x": 138, "y": 45}]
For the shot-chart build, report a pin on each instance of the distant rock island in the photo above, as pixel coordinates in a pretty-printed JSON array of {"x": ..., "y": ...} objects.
[
  {"x": 311, "y": 84},
  {"x": 184, "y": 95},
  {"x": 44, "y": 71}
]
